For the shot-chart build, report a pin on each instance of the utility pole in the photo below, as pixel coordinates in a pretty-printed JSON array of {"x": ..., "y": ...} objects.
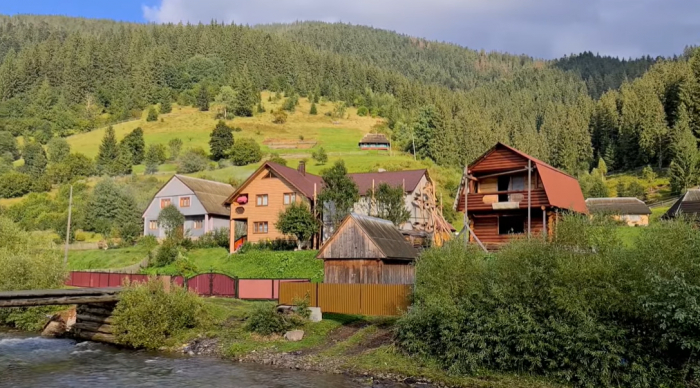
[{"x": 70, "y": 211}]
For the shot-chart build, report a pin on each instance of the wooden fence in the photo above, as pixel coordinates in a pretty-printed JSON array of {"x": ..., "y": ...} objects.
[
  {"x": 362, "y": 299},
  {"x": 206, "y": 284}
]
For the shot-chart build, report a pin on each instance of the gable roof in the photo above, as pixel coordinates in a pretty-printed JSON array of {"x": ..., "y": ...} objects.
[
  {"x": 385, "y": 236},
  {"x": 211, "y": 194},
  {"x": 688, "y": 204},
  {"x": 304, "y": 183},
  {"x": 408, "y": 179},
  {"x": 624, "y": 205},
  {"x": 563, "y": 190},
  {"x": 374, "y": 138}
]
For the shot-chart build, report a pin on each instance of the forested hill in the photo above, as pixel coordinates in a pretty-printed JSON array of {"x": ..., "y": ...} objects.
[
  {"x": 60, "y": 76},
  {"x": 429, "y": 61},
  {"x": 603, "y": 73}
]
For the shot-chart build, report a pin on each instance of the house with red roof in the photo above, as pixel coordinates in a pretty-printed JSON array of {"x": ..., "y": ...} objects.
[
  {"x": 506, "y": 193},
  {"x": 256, "y": 204}
]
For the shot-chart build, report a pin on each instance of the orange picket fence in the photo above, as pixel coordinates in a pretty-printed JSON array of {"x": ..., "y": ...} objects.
[{"x": 360, "y": 299}]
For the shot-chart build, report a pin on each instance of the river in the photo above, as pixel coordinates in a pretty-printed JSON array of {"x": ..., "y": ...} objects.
[{"x": 32, "y": 361}]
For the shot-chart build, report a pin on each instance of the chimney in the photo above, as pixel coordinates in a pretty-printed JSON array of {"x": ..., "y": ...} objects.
[{"x": 302, "y": 167}]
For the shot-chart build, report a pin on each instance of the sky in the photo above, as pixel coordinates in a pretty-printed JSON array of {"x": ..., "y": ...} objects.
[{"x": 540, "y": 28}]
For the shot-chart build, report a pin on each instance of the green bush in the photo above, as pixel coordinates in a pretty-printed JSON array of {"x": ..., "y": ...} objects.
[
  {"x": 245, "y": 151},
  {"x": 27, "y": 262},
  {"x": 146, "y": 315},
  {"x": 582, "y": 309},
  {"x": 167, "y": 253},
  {"x": 362, "y": 111},
  {"x": 81, "y": 236},
  {"x": 218, "y": 238},
  {"x": 265, "y": 320},
  {"x": 192, "y": 161}
]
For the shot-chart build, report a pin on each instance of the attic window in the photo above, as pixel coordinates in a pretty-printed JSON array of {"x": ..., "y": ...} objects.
[{"x": 269, "y": 175}]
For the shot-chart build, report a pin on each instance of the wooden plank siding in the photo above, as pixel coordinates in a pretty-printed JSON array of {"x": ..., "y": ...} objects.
[
  {"x": 368, "y": 272},
  {"x": 351, "y": 242},
  {"x": 480, "y": 202},
  {"x": 275, "y": 188},
  {"x": 499, "y": 159},
  {"x": 486, "y": 227}
]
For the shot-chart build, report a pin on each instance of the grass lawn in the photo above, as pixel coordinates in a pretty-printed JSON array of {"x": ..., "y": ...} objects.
[
  {"x": 106, "y": 259},
  {"x": 252, "y": 264}
]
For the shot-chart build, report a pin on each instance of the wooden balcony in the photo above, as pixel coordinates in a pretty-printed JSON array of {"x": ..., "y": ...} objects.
[{"x": 503, "y": 200}]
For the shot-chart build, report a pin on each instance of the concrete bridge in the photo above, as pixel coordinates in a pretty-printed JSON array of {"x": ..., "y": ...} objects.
[{"x": 93, "y": 317}]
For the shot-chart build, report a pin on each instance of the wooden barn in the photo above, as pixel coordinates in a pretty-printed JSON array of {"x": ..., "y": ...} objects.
[
  {"x": 687, "y": 205},
  {"x": 506, "y": 193},
  {"x": 375, "y": 141},
  {"x": 368, "y": 250}
]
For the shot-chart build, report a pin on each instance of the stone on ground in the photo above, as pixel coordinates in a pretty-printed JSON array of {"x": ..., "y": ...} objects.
[{"x": 294, "y": 335}]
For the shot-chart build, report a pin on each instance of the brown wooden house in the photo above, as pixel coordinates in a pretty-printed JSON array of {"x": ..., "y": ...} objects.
[
  {"x": 511, "y": 193},
  {"x": 368, "y": 250}
]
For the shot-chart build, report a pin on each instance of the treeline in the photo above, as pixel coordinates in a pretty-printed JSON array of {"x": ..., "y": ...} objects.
[{"x": 57, "y": 79}]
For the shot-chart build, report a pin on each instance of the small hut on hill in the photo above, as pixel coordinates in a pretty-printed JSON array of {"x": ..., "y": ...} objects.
[
  {"x": 631, "y": 210},
  {"x": 374, "y": 141},
  {"x": 368, "y": 250},
  {"x": 687, "y": 205}
]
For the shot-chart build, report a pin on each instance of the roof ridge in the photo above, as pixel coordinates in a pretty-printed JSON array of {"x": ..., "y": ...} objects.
[{"x": 201, "y": 179}]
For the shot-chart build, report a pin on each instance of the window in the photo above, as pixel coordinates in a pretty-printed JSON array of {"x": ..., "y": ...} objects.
[
  {"x": 153, "y": 225},
  {"x": 165, "y": 202},
  {"x": 269, "y": 175},
  {"x": 197, "y": 224},
  {"x": 290, "y": 198},
  {"x": 184, "y": 201},
  {"x": 260, "y": 227},
  {"x": 511, "y": 224},
  {"x": 261, "y": 200}
]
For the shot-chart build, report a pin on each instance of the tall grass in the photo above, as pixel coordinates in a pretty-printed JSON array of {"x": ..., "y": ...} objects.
[{"x": 583, "y": 309}]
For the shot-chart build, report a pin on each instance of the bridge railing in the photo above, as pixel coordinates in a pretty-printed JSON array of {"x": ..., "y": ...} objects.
[{"x": 206, "y": 284}]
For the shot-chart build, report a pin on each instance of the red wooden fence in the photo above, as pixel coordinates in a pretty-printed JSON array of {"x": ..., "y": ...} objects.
[{"x": 207, "y": 284}]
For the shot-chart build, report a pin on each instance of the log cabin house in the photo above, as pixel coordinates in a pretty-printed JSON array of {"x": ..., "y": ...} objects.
[
  {"x": 368, "y": 250},
  {"x": 511, "y": 193},
  {"x": 256, "y": 204},
  {"x": 374, "y": 141}
]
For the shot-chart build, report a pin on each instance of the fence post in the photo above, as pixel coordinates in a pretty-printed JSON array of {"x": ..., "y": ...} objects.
[
  {"x": 236, "y": 293},
  {"x": 317, "y": 296},
  {"x": 272, "y": 289},
  {"x": 211, "y": 281}
]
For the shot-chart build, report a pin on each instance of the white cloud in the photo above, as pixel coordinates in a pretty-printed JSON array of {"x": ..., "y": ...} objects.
[{"x": 542, "y": 28}]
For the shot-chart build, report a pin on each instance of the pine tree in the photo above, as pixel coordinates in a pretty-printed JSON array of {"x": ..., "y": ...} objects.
[
  {"x": 165, "y": 104},
  {"x": 602, "y": 167},
  {"x": 220, "y": 141},
  {"x": 313, "y": 110},
  {"x": 108, "y": 153},
  {"x": 685, "y": 167},
  {"x": 152, "y": 114},
  {"x": 247, "y": 96},
  {"x": 153, "y": 159},
  {"x": 135, "y": 144},
  {"x": 8, "y": 145},
  {"x": 203, "y": 98},
  {"x": 124, "y": 163}
]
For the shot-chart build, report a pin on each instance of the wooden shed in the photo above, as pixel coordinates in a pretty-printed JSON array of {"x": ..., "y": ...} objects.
[{"x": 368, "y": 250}]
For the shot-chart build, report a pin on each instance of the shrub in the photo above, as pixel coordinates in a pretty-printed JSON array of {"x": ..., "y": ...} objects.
[
  {"x": 265, "y": 320},
  {"x": 362, "y": 111},
  {"x": 146, "y": 315},
  {"x": 81, "y": 236},
  {"x": 167, "y": 253},
  {"x": 218, "y": 238},
  {"x": 558, "y": 308},
  {"x": 192, "y": 161},
  {"x": 152, "y": 114},
  {"x": 245, "y": 151},
  {"x": 269, "y": 245},
  {"x": 276, "y": 158},
  {"x": 15, "y": 184},
  {"x": 279, "y": 116}
]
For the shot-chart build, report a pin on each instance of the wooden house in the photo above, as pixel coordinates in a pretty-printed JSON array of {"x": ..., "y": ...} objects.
[
  {"x": 199, "y": 200},
  {"x": 506, "y": 192},
  {"x": 632, "y": 211},
  {"x": 687, "y": 205},
  {"x": 375, "y": 141},
  {"x": 368, "y": 250}
]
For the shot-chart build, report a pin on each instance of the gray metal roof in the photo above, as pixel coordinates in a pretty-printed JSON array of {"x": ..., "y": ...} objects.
[
  {"x": 688, "y": 204},
  {"x": 386, "y": 237},
  {"x": 211, "y": 194},
  {"x": 624, "y": 205}
]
